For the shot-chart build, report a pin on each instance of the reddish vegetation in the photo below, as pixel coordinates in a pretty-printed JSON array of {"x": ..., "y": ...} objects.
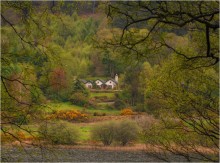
[{"x": 58, "y": 79}]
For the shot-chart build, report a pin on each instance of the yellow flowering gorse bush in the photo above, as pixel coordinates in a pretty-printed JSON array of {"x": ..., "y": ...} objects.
[{"x": 70, "y": 115}]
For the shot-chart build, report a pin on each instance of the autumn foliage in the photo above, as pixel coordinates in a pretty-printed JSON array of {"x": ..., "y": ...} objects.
[
  {"x": 127, "y": 111},
  {"x": 70, "y": 115},
  {"x": 58, "y": 79}
]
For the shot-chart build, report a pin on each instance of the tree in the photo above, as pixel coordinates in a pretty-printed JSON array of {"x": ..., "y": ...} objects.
[
  {"x": 189, "y": 115},
  {"x": 25, "y": 59},
  {"x": 144, "y": 78},
  {"x": 160, "y": 17}
]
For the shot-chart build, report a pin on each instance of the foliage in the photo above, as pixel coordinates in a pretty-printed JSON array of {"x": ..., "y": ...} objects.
[
  {"x": 169, "y": 136},
  {"x": 119, "y": 104},
  {"x": 99, "y": 114},
  {"x": 79, "y": 99},
  {"x": 126, "y": 131},
  {"x": 122, "y": 132},
  {"x": 104, "y": 132},
  {"x": 80, "y": 95},
  {"x": 79, "y": 87},
  {"x": 188, "y": 105},
  {"x": 141, "y": 108},
  {"x": 70, "y": 115},
  {"x": 165, "y": 17},
  {"x": 59, "y": 132},
  {"x": 127, "y": 111}
]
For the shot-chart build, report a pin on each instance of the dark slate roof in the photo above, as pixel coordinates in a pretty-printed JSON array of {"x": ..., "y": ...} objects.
[
  {"x": 103, "y": 81},
  {"x": 85, "y": 81},
  {"x": 100, "y": 80}
]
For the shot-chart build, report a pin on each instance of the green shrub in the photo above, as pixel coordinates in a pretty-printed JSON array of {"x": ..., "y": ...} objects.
[
  {"x": 109, "y": 107},
  {"x": 119, "y": 104},
  {"x": 79, "y": 98},
  {"x": 126, "y": 131},
  {"x": 104, "y": 132},
  {"x": 59, "y": 132},
  {"x": 141, "y": 108},
  {"x": 122, "y": 132},
  {"x": 99, "y": 114}
]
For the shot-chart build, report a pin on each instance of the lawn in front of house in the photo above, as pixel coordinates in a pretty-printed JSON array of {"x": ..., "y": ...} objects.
[{"x": 102, "y": 94}]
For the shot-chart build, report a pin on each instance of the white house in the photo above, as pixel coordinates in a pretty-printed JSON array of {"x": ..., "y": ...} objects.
[
  {"x": 87, "y": 84},
  {"x": 110, "y": 83},
  {"x": 100, "y": 83}
]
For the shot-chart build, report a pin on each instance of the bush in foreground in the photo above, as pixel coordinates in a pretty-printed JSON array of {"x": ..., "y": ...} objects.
[
  {"x": 126, "y": 131},
  {"x": 122, "y": 132},
  {"x": 59, "y": 133},
  {"x": 104, "y": 132}
]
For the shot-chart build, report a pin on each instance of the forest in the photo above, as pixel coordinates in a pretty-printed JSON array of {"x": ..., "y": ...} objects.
[{"x": 165, "y": 98}]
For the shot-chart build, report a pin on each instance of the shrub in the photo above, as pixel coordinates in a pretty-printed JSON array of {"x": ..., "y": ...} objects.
[
  {"x": 127, "y": 111},
  {"x": 109, "y": 107},
  {"x": 119, "y": 104},
  {"x": 59, "y": 133},
  {"x": 99, "y": 114},
  {"x": 141, "y": 108},
  {"x": 80, "y": 99},
  {"x": 126, "y": 131},
  {"x": 5, "y": 138},
  {"x": 104, "y": 132},
  {"x": 70, "y": 115}
]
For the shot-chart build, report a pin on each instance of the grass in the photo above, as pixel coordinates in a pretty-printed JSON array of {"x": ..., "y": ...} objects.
[
  {"x": 101, "y": 94},
  {"x": 103, "y": 104},
  {"x": 83, "y": 130},
  {"x": 85, "y": 133},
  {"x": 63, "y": 106}
]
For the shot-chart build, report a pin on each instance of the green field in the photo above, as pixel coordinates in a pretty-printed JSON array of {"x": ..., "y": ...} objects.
[
  {"x": 85, "y": 129},
  {"x": 103, "y": 94},
  {"x": 85, "y": 133},
  {"x": 69, "y": 106}
]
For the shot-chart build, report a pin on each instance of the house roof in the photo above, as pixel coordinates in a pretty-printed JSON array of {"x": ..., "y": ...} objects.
[
  {"x": 101, "y": 81},
  {"x": 112, "y": 80},
  {"x": 85, "y": 81}
]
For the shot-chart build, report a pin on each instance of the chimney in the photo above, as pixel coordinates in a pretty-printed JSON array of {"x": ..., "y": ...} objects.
[{"x": 116, "y": 78}]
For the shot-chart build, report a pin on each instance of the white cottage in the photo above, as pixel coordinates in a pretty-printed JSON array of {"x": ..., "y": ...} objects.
[
  {"x": 100, "y": 83},
  {"x": 112, "y": 83},
  {"x": 87, "y": 84},
  {"x": 109, "y": 84}
]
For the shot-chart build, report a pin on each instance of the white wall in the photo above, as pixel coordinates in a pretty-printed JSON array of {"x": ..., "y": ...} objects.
[
  {"x": 98, "y": 82},
  {"x": 88, "y": 85},
  {"x": 111, "y": 83}
]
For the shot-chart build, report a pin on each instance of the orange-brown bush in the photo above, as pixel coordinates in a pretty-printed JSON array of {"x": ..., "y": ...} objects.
[
  {"x": 127, "y": 111},
  {"x": 6, "y": 138},
  {"x": 70, "y": 115}
]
